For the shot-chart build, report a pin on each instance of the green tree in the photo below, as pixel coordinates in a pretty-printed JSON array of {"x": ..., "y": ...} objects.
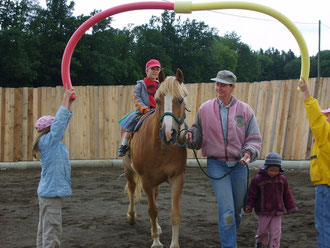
[
  {"x": 56, "y": 27},
  {"x": 248, "y": 67},
  {"x": 19, "y": 60},
  {"x": 222, "y": 57},
  {"x": 324, "y": 64}
]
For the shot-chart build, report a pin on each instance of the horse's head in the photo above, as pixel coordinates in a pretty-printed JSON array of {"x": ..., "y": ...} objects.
[{"x": 171, "y": 106}]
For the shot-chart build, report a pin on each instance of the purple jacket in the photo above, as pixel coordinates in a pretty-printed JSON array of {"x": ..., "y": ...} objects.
[{"x": 270, "y": 196}]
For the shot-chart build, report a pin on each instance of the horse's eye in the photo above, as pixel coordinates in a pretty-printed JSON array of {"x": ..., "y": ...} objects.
[{"x": 180, "y": 100}]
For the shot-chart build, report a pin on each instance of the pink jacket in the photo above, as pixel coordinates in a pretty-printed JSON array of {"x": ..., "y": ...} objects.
[{"x": 243, "y": 134}]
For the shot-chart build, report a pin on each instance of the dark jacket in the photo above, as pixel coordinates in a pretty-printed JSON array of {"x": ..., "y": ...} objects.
[{"x": 270, "y": 196}]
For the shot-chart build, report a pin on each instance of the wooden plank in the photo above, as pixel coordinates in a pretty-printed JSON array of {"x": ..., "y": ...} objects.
[
  {"x": 107, "y": 123},
  {"x": 101, "y": 121},
  {"x": 9, "y": 141},
  {"x": 93, "y": 119},
  {"x": 30, "y": 124},
  {"x": 273, "y": 114},
  {"x": 268, "y": 118},
  {"x": 262, "y": 110},
  {"x": 294, "y": 122},
  {"x": 24, "y": 131},
  {"x": 114, "y": 128},
  {"x": 2, "y": 122},
  {"x": 36, "y": 106},
  {"x": 282, "y": 117},
  {"x": 18, "y": 139}
]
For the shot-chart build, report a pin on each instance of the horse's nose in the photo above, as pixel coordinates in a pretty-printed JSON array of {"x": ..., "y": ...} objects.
[{"x": 168, "y": 136}]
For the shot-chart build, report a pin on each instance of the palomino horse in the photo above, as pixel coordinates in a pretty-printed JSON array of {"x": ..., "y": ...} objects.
[{"x": 155, "y": 156}]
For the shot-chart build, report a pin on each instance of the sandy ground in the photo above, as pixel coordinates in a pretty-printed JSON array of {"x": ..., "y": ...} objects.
[{"x": 95, "y": 216}]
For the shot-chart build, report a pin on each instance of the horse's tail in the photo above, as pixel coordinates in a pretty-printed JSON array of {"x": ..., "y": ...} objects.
[{"x": 138, "y": 188}]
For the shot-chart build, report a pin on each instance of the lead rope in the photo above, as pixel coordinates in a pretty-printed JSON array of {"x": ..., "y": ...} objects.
[{"x": 227, "y": 173}]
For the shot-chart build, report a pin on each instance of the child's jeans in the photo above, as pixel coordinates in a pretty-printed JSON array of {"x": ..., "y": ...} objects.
[
  {"x": 272, "y": 224},
  {"x": 322, "y": 215},
  {"x": 50, "y": 222}
]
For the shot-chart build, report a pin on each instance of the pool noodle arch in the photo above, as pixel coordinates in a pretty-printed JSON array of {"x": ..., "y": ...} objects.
[{"x": 181, "y": 7}]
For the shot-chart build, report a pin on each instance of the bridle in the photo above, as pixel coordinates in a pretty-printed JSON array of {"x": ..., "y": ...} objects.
[{"x": 179, "y": 121}]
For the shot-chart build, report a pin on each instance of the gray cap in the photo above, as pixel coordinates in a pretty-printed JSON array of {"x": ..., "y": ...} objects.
[
  {"x": 225, "y": 77},
  {"x": 273, "y": 159}
]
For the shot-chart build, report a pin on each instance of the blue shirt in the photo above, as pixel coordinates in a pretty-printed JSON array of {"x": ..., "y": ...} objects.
[
  {"x": 55, "y": 178},
  {"x": 224, "y": 121}
]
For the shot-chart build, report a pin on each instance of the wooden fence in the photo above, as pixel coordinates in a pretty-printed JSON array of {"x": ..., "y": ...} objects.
[{"x": 94, "y": 132}]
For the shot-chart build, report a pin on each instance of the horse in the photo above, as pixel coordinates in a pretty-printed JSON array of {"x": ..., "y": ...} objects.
[{"x": 155, "y": 156}]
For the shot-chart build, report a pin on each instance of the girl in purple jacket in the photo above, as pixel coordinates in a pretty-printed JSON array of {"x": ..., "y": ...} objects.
[{"x": 270, "y": 196}]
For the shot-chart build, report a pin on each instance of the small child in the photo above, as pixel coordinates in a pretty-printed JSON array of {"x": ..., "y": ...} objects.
[
  {"x": 55, "y": 181},
  {"x": 269, "y": 195},
  {"x": 144, "y": 99}
]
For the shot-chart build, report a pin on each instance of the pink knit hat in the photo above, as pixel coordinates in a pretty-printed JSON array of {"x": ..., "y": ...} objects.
[
  {"x": 325, "y": 111},
  {"x": 44, "y": 121}
]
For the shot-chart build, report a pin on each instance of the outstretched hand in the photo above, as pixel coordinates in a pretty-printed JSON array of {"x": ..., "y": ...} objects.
[
  {"x": 304, "y": 87},
  {"x": 67, "y": 99}
]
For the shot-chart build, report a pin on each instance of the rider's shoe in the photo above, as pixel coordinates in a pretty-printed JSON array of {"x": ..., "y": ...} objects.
[{"x": 122, "y": 150}]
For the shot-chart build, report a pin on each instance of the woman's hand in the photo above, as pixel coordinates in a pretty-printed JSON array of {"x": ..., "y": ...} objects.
[{"x": 189, "y": 136}]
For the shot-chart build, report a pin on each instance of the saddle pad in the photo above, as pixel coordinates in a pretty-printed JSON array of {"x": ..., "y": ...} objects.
[{"x": 138, "y": 125}]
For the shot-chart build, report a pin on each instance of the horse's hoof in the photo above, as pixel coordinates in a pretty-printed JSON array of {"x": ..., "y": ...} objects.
[
  {"x": 159, "y": 245},
  {"x": 131, "y": 219}
]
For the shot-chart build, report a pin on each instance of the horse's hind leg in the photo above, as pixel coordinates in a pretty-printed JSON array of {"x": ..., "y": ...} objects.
[
  {"x": 151, "y": 194},
  {"x": 176, "y": 191},
  {"x": 130, "y": 187}
]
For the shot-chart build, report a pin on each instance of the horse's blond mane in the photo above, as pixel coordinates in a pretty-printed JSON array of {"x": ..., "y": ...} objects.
[{"x": 171, "y": 85}]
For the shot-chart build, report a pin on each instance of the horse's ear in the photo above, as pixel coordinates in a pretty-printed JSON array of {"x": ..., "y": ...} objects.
[
  {"x": 161, "y": 75},
  {"x": 179, "y": 75}
]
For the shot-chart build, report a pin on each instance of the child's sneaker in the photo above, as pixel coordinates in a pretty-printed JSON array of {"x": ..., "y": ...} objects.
[{"x": 122, "y": 150}]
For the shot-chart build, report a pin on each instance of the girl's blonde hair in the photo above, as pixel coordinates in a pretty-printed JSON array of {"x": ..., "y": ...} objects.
[{"x": 35, "y": 149}]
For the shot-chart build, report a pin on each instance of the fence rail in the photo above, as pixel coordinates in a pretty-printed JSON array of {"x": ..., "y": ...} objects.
[{"x": 94, "y": 133}]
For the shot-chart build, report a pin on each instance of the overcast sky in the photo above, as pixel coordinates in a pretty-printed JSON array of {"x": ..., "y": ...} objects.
[{"x": 255, "y": 29}]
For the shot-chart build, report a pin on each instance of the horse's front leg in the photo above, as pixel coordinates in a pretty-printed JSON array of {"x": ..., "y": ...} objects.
[
  {"x": 130, "y": 188},
  {"x": 153, "y": 214},
  {"x": 176, "y": 191}
]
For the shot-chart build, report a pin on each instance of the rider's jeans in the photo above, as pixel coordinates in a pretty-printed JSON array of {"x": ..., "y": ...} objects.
[{"x": 229, "y": 193}]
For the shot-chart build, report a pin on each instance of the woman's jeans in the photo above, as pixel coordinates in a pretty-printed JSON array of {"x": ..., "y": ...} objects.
[
  {"x": 229, "y": 192},
  {"x": 322, "y": 215}
]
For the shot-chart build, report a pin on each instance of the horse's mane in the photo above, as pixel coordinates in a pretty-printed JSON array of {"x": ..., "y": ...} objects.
[{"x": 172, "y": 85}]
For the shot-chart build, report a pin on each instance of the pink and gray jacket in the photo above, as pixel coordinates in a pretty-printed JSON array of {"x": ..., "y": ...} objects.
[{"x": 243, "y": 134}]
